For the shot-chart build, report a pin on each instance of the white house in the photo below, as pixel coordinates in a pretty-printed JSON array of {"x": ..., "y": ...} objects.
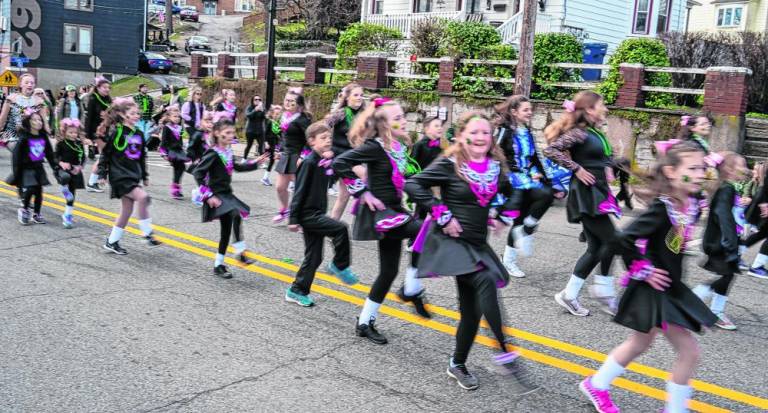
[
  {"x": 729, "y": 15},
  {"x": 601, "y": 21}
]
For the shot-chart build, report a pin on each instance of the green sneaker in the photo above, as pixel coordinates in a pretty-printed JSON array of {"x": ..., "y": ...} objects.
[
  {"x": 346, "y": 275},
  {"x": 302, "y": 300}
]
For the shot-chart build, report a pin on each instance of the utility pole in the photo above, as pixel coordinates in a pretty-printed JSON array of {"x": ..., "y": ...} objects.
[
  {"x": 525, "y": 59},
  {"x": 271, "y": 54},
  {"x": 168, "y": 19}
]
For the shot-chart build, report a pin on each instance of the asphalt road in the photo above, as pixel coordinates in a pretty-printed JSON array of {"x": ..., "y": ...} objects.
[{"x": 86, "y": 331}]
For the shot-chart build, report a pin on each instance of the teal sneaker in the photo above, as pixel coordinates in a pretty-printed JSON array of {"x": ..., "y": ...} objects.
[
  {"x": 302, "y": 300},
  {"x": 66, "y": 221},
  {"x": 346, "y": 276}
]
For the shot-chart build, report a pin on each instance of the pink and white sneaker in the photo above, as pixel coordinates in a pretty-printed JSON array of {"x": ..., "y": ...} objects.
[
  {"x": 281, "y": 216},
  {"x": 601, "y": 399}
]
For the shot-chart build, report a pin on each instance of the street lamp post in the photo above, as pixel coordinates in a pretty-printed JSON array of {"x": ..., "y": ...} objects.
[{"x": 271, "y": 53}]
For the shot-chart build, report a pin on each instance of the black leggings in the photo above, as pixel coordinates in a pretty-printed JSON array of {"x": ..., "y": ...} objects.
[
  {"x": 230, "y": 221},
  {"x": 532, "y": 202},
  {"x": 389, "y": 258},
  {"x": 600, "y": 234},
  {"x": 28, "y": 192},
  {"x": 315, "y": 231},
  {"x": 722, "y": 284},
  {"x": 178, "y": 171},
  {"x": 753, "y": 239},
  {"x": 249, "y": 137},
  {"x": 271, "y": 152},
  {"x": 65, "y": 179},
  {"x": 477, "y": 298}
]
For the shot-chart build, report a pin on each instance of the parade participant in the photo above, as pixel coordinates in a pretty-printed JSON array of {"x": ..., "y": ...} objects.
[
  {"x": 469, "y": 178},
  {"x": 146, "y": 109},
  {"x": 13, "y": 107},
  {"x": 33, "y": 149},
  {"x": 430, "y": 146},
  {"x": 172, "y": 148},
  {"x": 272, "y": 137},
  {"x": 192, "y": 111},
  {"x": 97, "y": 103},
  {"x": 123, "y": 162},
  {"x": 308, "y": 213},
  {"x": 50, "y": 117},
  {"x": 293, "y": 126},
  {"x": 577, "y": 144},
  {"x": 71, "y": 156},
  {"x": 214, "y": 176},
  {"x": 199, "y": 143},
  {"x": 70, "y": 106},
  {"x": 351, "y": 102},
  {"x": 532, "y": 194},
  {"x": 656, "y": 299},
  {"x": 254, "y": 126},
  {"x": 226, "y": 102},
  {"x": 380, "y": 214},
  {"x": 695, "y": 129},
  {"x": 721, "y": 238},
  {"x": 756, "y": 215}
]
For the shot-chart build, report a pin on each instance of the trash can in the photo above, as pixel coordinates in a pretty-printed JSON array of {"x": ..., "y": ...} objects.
[{"x": 594, "y": 53}]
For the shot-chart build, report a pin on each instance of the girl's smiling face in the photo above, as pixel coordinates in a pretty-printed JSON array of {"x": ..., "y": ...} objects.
[
  {"x": 71, "y": 133},
  {"x": 226, "y": 136},
  {"x": 477, "y": 138}
]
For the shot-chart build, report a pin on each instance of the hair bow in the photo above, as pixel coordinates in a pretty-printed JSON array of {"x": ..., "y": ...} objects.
[
  {"x": 663, "y": 146},
  {"x": 70, "y": 123},
  {"x": 714, "y": 159},
  {"x": 172, "y": 107},
  {"x": 569, "y": 105},
  {"x": 99, "y": 80},
  {"x": 29, "y": 111},
  {"x": 379, "y": 102},
  {"x": 684, "y": 120}
]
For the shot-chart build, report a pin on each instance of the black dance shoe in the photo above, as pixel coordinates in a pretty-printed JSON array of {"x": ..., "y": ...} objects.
[
  {"x": 417, "y": 300},
  {"x": 369, "y": 331},
  {"x": 245, "y": 260},
  {"x": 222, "y": 272}
]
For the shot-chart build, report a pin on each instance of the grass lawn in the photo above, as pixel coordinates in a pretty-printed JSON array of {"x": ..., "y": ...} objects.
[{"x": 131, "y": 84}]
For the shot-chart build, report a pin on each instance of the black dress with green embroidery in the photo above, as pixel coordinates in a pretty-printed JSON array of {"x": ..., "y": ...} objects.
[{"x": 700, "y": 142}]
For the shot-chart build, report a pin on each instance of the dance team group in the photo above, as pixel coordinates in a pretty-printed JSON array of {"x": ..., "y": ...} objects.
[{"x": 444, "y": 197}]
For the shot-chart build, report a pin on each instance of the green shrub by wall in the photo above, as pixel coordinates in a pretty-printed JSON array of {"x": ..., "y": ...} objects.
[
  {"x": 649, "y": 52},
  {"x": 551, "y": 48}
]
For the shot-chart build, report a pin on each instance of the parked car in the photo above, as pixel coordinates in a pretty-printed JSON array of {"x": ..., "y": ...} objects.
[
  {"x": 174, "y": 8},
  {"x": 189, "y": 13},
  {"x": 197, "y": 43},
  {"x": 154, "y": 62}
]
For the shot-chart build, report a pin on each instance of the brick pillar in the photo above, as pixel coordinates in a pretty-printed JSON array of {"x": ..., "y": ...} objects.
[
  {"x": 196, "y": 67},
  {"x": 312, "y": 65},
  {"x": 372, "y": 70},
  {"x": 222, "y": 68},
  {"x": 630, "y": 92},
  {"x": 725, "y": 90},
  {"x": 447, "y": 72},
  {"x": 261, "y": 66}
]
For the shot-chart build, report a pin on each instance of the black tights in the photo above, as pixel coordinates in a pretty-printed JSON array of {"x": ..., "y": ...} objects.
[
  {"x": 477, "y": 298},
  {"x": 532, "y": 203},
  {"x": 315, "y": 231},
  {"x": 229, "y": 222},
  {"x": 600, "y": 234},
  {"x": 756, "y": 237},
  {"x": 389, "y": 258},
  {"x": 249, "y": 143},
  {"x": 28, "y": 192},
  {"x": 178, "y": 171},
  {"x": 723, "y": 284}
]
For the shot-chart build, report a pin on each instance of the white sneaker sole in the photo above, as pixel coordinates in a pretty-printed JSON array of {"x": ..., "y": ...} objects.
[
  {"x": 295, "y": 301},
  {"x": 726, "y": 328},
  {"x": 451, "y": 375},
  {"x": 760, "y": 276},
  {"x": 559, "y": 301},
  {"x": 515, "y": 272}
]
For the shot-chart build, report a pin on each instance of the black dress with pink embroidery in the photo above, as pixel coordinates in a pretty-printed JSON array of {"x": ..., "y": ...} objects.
[
  {"x": 468, "y": 199},
  {"x": 214, "y": 176},
  {"x": 656, "y": 239}
]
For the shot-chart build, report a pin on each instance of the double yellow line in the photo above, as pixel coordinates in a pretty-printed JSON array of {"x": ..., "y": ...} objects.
[{"x": 562, "y": 364}]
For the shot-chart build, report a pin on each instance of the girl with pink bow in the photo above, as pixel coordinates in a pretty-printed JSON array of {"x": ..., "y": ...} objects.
[{"x": 70, "y": 153}]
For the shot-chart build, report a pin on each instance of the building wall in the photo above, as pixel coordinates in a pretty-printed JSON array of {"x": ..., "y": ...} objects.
[
  {"x": 5, "y": 37},
  {"x": 116, "y": 35},
  {"x": 227, "y": 6},
  {"x": 704, "y": 17}
]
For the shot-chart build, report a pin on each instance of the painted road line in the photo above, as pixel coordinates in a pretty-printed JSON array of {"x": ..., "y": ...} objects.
[
  {"x": 542, "y": 358},
  {"x": 521, "y": 334}
]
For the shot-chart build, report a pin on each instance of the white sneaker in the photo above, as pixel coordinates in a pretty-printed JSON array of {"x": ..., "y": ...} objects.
[
  {"x": 333, "y": 192},
  {"x": 523, "y": 241},
  {"x": 265, "y": 181},
  {"x": 510, "y": 262},
  {"x": 573, "y": 306},
  {"x": 608, "y": 303}
]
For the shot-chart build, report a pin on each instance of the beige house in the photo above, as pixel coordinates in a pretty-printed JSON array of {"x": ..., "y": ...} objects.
[{"x": 729, "y": 15}]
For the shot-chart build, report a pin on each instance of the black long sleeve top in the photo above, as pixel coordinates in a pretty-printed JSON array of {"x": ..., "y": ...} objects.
[
  {"x": 93, "y": 113},
  {"x": 254, "y": 121},
  {"x": 30, "y": 153},
  {"x": 71, "y": 152},
  {"x": 720, "y": 237},
  {"x": 310, "y": 197},
  {"x": 171, "y": 141},
  {"x": 295, "y": 138},
  {"x": 423, "y": 153},
  {"x": 197, "y": 145},
  {"x": 213, "y": 172},
  {"x": 341, "y": 123},
  {"x": 372, "y": 154},
  {"x": 124, "y": 156}
]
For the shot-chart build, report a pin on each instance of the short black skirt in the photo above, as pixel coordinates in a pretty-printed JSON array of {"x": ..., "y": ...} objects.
[
  {"x": 288, "y": 163},
  {"x": 444, "y": 256},
  {"x": 229, "y": 203}
]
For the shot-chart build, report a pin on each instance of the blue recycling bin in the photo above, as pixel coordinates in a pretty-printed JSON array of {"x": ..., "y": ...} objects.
[{"x": 594, "y": 53}]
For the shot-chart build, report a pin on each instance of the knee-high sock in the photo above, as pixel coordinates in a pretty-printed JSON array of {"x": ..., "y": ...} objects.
[
  {"x": 412, "y": 284},
  {"x": 370, "y": 309},
  {"x": 607, "y": 373}
]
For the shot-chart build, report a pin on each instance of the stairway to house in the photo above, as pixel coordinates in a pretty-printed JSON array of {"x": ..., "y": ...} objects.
[{"x": 756, "y": 140}]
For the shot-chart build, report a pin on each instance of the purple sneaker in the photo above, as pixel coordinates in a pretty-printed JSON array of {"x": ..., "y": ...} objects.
[
  {"x": 601, "y": 399},
  {"x": 758, "y": 272}
]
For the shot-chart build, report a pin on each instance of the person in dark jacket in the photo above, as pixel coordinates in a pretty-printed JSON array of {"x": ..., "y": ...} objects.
[
  {"x": 172, "y": 148},
  {"x": 29, "y": 155},
  {"x": 308, "y": 208},
  {"x": 273, "y": 140},
  {"x": 123, "y": 162},
  {"x": 721, "y": 237},
  {"x": 214, "y": 176},
  {"x": 254, "y": 126},
  {"x": 293, "y": 124},
  {"x": 98, "y": 101}
]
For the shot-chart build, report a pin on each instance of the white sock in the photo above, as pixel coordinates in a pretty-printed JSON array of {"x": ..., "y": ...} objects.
[
  {"x": 742, "y": 249},
  {"x": 452, "y": 363},
  {"x": 219, "y": 260},
  {"x": 412, "y": 284},
  {"x": 530, "y": 221},
  {"x": 702, "y": 291},
  {"x": 677, "y": 397},
  {"x": 718, "y": 303},
  {"x": 93, "y": 179},
  {"x": 760, "y": 261},
  {"x": 116, "y": 235},
  {"x": 510, "y": 255},
  {"x": 370, "y": 309},
  {"x": 606, "y": 374},
  {"x": 145, "y": 225},
  {"x": 68, "y": 210},
  {"x": 266, "y": 175},
  {"x": 239, "y": 247},
  {"x": 605, "y": 286},
  {"x": 573, "y": 287}
]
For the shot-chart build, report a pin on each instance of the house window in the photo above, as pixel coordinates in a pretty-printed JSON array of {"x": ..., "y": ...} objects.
[
  {"x": 78, "y": 39},
  {"x": 641, "y": 20},
  {"x": 378, "y": 6},
  {"x": 730, "y": 16},
  {"x": 422, "y": 6},
  {"x": 662, "y": 17},
  {"x": 246, "y": 5},
  {"x": 84, "y": 5}
]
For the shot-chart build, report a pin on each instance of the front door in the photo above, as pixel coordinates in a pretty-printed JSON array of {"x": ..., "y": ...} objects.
[{"x": 209, "y": 7}]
